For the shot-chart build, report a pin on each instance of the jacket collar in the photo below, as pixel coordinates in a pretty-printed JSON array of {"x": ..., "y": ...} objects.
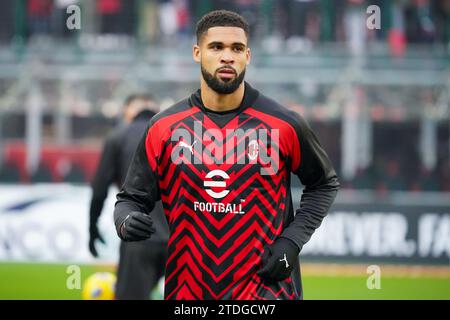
[{"x": 250, "y": 96}]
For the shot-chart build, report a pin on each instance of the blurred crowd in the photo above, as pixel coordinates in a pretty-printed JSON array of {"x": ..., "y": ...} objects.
[
  {"x": 396, "y": 163},
  {"x": 297, "y": 21}
]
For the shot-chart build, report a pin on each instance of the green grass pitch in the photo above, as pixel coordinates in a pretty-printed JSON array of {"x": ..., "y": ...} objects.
[
  {"x": 48, "y": 281},
  {"x": 391, "y": 288}
]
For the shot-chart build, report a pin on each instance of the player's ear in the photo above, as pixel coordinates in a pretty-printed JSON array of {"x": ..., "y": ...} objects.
[
  {"x": 196, "y": 53},
  {"x": 249, "y": 56}
]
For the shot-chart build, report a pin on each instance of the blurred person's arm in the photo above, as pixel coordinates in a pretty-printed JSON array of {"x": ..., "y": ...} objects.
[
  {"x": 103, "y": 178},
  {"x": 139, "y": 193}
]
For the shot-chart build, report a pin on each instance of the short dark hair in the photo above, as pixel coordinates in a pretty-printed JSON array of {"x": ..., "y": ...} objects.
[{"x": 221, "y": 18}]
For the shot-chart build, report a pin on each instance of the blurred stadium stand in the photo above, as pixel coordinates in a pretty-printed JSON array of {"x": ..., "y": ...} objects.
[{"x": 377, "y": 99}]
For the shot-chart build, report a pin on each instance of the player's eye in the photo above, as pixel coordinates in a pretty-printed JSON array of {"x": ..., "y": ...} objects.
[
  {"x": 238, "y": 49},
  {"x": 216, "y": 47}
]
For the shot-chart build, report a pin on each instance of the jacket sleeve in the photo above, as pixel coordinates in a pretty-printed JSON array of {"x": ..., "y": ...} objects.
[
  {"x": 104, "y": 177},
  {"x": 140, "y": 189},
  {"x": 312, "y": 165}
]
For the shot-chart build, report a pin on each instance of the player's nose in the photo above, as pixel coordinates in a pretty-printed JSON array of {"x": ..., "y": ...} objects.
[{"x": 227, "y": 58}]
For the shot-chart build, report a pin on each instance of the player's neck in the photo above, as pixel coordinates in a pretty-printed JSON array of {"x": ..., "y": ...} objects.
[{"x": 221, "y": 102}]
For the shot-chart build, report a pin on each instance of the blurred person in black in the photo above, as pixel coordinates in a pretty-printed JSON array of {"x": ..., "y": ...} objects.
[{"x": 141, "y": 264}]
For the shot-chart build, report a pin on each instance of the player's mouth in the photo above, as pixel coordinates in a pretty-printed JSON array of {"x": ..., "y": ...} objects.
[{"x": 226, "y": 73}]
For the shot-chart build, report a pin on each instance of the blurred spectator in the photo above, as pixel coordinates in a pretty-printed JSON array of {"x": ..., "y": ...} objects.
[
  {"x": 421, "y": 24},
  {"x": 393, "y": 179},
  {"x": 364, "y": 179},
  {"x": 59, "y": 18},
  {"x": 39, "y": 14},
  {"x": 141, "y": 263},
  {"x": 249, "y": 10},
  {"x": 426, "y": 181},
  {"x": 117, "y": 16},
  {"x": 148, "y": 21},
  {"x": 175, "y": 20},
  {"x": 396, "y": 35},
  {"x": 7, "y": 21},
  {"x": 355, "y": 26},
  {"x": 295, "y": 17},
  {"x": 444, "y": 175},
  {"x": 183, "y": 17},
  {"x": 168, "y": 19}
]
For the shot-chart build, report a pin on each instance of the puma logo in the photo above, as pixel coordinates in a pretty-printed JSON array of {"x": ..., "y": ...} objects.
[
  {"x": 183, "y": 144},
  {"x": 285, "y": 260}
]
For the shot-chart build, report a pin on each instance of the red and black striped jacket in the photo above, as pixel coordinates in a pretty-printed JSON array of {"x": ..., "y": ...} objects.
[{"x": 225, "y": 189}]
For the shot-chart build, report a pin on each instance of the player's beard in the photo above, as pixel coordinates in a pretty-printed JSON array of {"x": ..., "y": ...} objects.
[{"x": 222, "y": 86}]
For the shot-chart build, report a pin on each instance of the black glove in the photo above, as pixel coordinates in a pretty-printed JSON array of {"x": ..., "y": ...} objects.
[
  {"x": 94, "y": 235},
  {"x": 279, "y": 260},
  {"x": 136, "y": 226}
]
